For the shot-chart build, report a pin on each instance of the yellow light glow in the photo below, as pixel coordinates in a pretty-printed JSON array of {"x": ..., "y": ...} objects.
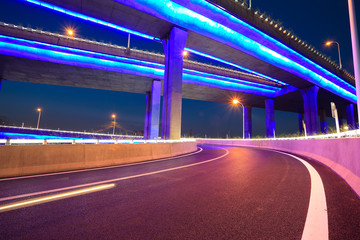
[
  {"x": 328, "y": 43},
  {"x": 35, "y": 201},
  {"x": 235, "y": 101},
  {"x": 185, "y": 53},
  {"x": 70, "y": 32},
  {"x": 113, "y": 116},
  {"x": 38, "y": 109}
]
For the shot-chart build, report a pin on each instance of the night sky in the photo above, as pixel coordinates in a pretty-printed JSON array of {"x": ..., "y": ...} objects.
[{"x": 70, "y": 108}]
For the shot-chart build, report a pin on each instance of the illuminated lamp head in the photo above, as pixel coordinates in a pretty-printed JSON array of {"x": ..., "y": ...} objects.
[
  {"x": 70, "y": 32},
  {"x": 328, "y": 43},
  {"x": 235, "y": 101}
]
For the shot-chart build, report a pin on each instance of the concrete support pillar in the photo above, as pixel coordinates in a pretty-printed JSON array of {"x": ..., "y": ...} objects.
[
  {"x": 310, "y": 109},
  {"x": 341, "y": 123},
  {"x": 172, "y": 92},
  {"x": 323, "y": 123},
  {"x": 247, "y": 122},
  {"x": 350, "y": 118},
  {"x": 152, "y": 111},
  {"x": 355, "y": 51},
  {"x": 300, "y": 119},
  {"x": 270, "y": 118}
]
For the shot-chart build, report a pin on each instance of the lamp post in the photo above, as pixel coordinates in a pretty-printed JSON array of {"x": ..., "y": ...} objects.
[
  {"x": 236, "y": 102},
  {"x": 114, "y": 117},
  {"x": 333, "y": 42},
  {"x": 128, "y": 44},
  {"x": 355, "y": 51},
  {"x": 38, "y": 122}
]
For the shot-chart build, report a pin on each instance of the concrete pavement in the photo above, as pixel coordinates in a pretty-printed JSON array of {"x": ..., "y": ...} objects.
[{"x": 218, "y": 193}]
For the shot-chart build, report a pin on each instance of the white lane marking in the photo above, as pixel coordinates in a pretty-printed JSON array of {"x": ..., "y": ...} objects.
[
  {"x": 316, "y": 224},
  {"x": 101, "y": 168},
  {"x": 50, "y": 198},
  {"x": 113, "y": 180}
]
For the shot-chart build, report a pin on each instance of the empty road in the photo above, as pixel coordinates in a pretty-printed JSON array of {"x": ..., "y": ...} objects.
[{"x": 214, "y": 193}]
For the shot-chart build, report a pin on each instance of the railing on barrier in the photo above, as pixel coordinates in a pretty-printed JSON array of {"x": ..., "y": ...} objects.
[{"x": 87, "y": 141}]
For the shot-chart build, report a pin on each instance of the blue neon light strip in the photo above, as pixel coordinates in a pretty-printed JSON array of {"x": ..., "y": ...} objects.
[
  {"x": 229, "y": 79},
  {"x": 104, "y": 56},
  {"x": 91, "y": 19},
  {"x": 76, "y": 51},
  {"x": 52, "y": 53},
  {"x": 94, "y": 20},
  {"x": 194, "y": 21},
  {"x": 7, "y": 135},
  {"x": 235, "y": 65},
  {"x": 270, "y": 42}
]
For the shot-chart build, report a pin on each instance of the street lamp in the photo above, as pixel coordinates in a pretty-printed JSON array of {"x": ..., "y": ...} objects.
[
  {"x": 236, "y": 102},
  {"x": 185, "y": 53},
  {"x": 114, "y": 117},
  {"x": 328, "y": 43},
  {"x": 38, "y": 122},
  {"x": 70, "y": 32}
]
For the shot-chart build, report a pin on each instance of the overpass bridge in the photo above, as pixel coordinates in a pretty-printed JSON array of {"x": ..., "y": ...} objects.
[{"x": 278, "y": 70}]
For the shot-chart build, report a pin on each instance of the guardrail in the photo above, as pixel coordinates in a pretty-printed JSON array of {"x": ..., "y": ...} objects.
[
  {"x": 347, "y": 134},
  {"x": 52, "y": 131},
  {"x": 85, "y": 141}
]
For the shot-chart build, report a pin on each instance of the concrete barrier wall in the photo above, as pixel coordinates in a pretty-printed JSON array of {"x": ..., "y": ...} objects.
[
  {"x": 35, "y": 159},
  {"x": 341, "y": 155}
]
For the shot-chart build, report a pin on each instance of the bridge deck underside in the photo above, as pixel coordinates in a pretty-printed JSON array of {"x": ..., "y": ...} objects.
[
  {"x": 27, "y": 70},
  {"x": 121, "y": 15}
]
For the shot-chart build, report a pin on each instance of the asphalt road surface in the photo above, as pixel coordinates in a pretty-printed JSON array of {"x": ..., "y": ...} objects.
[{"x": 215, "y": 193}]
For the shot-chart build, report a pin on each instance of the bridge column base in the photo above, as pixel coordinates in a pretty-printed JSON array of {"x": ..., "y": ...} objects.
[
  {"x": 323, "y": 123},
  {"x": 270, "y": 118},
  {"x": 247, "y": 123},
  {"x": 350, "y": 117},
  {"x": 172, "y": 92},
  {"x": 152, "y": 111},
  {"x": 300, "y": 119},
  {"x": 310, "y": 109}
]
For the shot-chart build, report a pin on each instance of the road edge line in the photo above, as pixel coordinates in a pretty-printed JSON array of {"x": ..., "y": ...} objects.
[{"x": 316, "y": 224}]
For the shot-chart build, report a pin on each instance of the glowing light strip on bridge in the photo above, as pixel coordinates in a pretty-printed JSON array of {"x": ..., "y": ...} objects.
[
  {"x": 114, "y": 26},
  {"x": 91, "y": 19},
  {"x": 271, "y": 42},
  {"x": 52, "y": 53},
  {"x": 194, "y": 21},
  {"x": 190, "y": 19},
  {"x": 104, "y": 56},
  {"x": 234, "y": 65}
]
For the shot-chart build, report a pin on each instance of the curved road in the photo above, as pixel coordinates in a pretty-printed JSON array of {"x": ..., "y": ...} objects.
[{"x": 215, "y": 193}]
